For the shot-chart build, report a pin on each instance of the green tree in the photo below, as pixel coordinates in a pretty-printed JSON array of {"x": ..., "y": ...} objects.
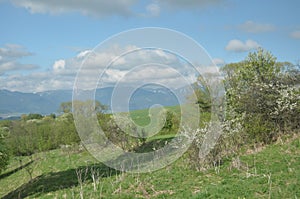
[
  {"x": 4, "y": 152},
  {"x": 203, "y": 95},
  {"x": 31, "y": 116},
  {"x": 65, "y": 107},
  {"x": 258, "y": 94},
  {"x": 262, "y": 101}
]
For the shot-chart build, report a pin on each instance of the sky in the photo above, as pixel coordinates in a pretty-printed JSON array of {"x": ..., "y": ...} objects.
[{"x": 43, "y": 43}]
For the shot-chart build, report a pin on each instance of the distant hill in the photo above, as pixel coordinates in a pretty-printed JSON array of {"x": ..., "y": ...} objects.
[
  {"x": 16, "y": 103},
  {"x": 13, "y": 103}
]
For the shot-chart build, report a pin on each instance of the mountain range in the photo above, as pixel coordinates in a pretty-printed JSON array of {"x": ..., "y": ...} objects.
[{"x": 14, "y": 103}]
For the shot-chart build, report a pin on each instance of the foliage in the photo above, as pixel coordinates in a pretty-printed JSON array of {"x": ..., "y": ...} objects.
[
  {"x": 262, "y": 103},
  {"x": 120, "y": 136},
  {"x": 4, "y": 153},
  {"x": 171, "y": 123},
  {"x": 35, "y": 133},
  {"x": 32, "y": 116},
  {"x": 29, "y": 136},
  {"x": 203, "y": 95},
  {"x": 259, "y": 91},
  {"x": 66, "y": 107}
]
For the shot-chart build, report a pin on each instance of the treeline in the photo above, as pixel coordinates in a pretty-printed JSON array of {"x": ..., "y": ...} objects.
[{"x": 35, "y": 132}]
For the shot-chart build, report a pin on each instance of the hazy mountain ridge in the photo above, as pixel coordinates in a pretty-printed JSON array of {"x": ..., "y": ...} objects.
[{"x": 14, "y": 103}]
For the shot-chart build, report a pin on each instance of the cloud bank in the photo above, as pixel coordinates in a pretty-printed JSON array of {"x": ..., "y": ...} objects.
[
  {"x": 99, "y": 8},
  {"x": 9, "y": 56},
  {"x": 104, "y": 8},
  {"x": 138, "y": 66}
]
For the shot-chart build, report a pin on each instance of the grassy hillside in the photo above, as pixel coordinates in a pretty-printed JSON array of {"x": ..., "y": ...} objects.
[
  {"x": 267, "y": 172},
  {"x": 141, "y": 117}
]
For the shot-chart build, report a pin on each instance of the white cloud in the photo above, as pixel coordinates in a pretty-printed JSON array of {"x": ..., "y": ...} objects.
[
  {"x": 252, "y": 27},
  {"x": 152, "y": 74},
  {"x": 218, "y": 61},
  {"x": 240, "y": 46},
  {"x": 9, "y": 58},
  {"x": 114, "y": 75},
  {"x": 13, "y": 51},
  {"x": 84, "y": 53},
  {"x": 153, "y": 9},
  {"x": 59, "y": 65},
  {"x": 13, "y": 66},
  {"x": 98, "y": 8},
  {"x": 135, "y": 67},
  {"x": 36, "y": 82},
  {"x": 295, "y": 34}
]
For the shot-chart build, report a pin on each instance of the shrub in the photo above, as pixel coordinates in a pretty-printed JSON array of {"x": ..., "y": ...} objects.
[
  {"x": 4, "y": 152},
  {"x": 259, "y": 92},
  {"x": 29, "y": 136}
]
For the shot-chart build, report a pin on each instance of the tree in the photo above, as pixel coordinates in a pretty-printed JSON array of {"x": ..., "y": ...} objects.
[
  {"x": 4, "y": 153},
  {"x": 32, "y": 116},
  {"x": 65, "y": 107},
  {"x": 203, "y": 95},
  {"x": 262, "y": 101},
  {"x": 258, "y": 92}
]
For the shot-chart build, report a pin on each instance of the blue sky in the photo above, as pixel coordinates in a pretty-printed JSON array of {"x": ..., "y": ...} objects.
[{"x": 39, "y": 37}]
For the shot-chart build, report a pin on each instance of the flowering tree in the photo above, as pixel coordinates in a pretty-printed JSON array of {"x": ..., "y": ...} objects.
[
  {"x": 262, "y": 101},
  {"x": 261, "y": 97},
  {"x": 4, "y": 154}
]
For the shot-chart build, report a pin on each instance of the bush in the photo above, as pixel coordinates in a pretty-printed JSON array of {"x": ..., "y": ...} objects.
[
  {"x": 262, "y": 102},
  {"x": 32, "y": 116},
  {"x": 35, "y": 135},
  {"x": 4, "y": 152},
  {"x": 171, "y": 124},
  {"x": 260, "y": 93}
]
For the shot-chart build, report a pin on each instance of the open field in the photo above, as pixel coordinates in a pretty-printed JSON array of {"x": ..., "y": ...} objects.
[{"x": 141, "y": 117}]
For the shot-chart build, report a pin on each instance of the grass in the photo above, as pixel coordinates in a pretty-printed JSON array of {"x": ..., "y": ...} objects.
[
  {"x": 141, "y": 117},
  {"x": 273, "y": 172}
]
